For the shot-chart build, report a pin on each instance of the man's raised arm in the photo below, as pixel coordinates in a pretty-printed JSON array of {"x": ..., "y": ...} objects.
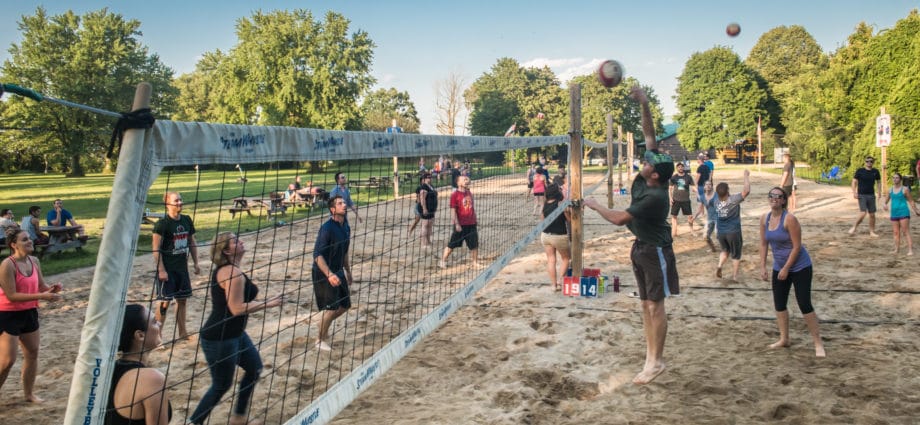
[{"x": 648, "y": 127}]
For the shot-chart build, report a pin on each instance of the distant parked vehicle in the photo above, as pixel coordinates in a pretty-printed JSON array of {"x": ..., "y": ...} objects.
[
  {"x": 743, "y": 150},
  {"x": 597, "y": 161}
]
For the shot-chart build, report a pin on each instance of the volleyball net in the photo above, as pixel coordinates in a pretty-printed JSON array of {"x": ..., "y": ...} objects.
[{"x": 233, "y": 178}]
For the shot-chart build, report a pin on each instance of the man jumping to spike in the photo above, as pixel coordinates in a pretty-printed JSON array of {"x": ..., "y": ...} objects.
[{"x": 652, "y": 255}]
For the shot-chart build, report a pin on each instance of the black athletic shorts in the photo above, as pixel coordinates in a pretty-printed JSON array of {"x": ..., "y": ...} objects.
[
  {"x": 330, "y": 297},
  {"x": 682, "y": 207},
  {"x": 466, "y": 233},
  {"x": 179, "y": 286},
  {"x": 19, "y": 322}
]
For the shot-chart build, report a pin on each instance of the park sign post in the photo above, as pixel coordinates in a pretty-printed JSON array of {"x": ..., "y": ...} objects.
[
  {"x": 883, "y": 130},
  {"x": 883, "y": 139}
]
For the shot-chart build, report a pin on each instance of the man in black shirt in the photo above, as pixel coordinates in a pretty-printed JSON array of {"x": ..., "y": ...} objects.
[{"x": 864, "y": 185}]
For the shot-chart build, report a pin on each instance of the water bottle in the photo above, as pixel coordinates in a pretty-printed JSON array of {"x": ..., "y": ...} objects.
[
  {"x": 616, "y": 283},
  {"x": 147, "y": 211}
]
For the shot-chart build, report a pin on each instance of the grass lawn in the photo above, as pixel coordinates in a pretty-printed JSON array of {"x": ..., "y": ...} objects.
[{"x": 87, "y": 198}]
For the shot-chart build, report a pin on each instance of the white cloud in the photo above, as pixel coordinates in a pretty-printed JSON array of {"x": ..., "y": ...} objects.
[
  {"x": 566, "y": 68},
  {"x": 551, "y": 63},
  {"x": 386, "y": 79}
]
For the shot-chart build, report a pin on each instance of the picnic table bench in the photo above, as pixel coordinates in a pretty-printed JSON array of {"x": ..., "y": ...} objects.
[
  {"x": 372, "y": 182},
  {"x": 240, "y": 205},
  {"x": 61, "y": 238},
  {"x": 273, "y": 205}
]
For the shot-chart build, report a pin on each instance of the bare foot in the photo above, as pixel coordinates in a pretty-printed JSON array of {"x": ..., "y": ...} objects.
[
  {"x": 819, "y": 351},
  {"x": 34, "y": 399},
  {"x": 852, "y": 231},
  {"x": 873, "y": 234},
  {"x": 649, "y": 374},
  {"x": 780, "y": 344},
  {"x": 719, "y": 272},
  {"x": 909, "y": 253}
]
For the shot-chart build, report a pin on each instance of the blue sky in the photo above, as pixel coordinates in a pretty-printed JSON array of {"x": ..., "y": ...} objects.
[{"x": 422, "y": 42}]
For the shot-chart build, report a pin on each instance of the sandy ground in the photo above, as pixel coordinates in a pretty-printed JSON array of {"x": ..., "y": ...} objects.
[{"x": 521, "y": 353}]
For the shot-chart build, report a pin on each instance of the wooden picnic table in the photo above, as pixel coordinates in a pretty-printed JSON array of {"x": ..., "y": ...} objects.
[
  {"x": 372, "y": 182},
  {"x": 272, "y": 205},
  {"x": 61, "y": 238}
]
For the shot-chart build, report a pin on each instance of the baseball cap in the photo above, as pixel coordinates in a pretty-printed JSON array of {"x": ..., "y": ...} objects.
[
  {"x": 662, "y": 163},
  {"x": 655, "y": 158}
]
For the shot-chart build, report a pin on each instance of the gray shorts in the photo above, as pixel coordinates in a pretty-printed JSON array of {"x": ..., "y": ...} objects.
[
  {"x": 655, "y": 269},
  {"x": 731, "y": 243},
  {"x": 867, "y": 203}
]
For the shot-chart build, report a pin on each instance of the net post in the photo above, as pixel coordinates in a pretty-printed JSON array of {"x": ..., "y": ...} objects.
[
  {"x": 575, "y": 161},
  {"x": 609, "y": 119},
  {"x": 620, "y": 157},
  {"x": 630, "y": 152},
  {"x": 98, "y": 340}
]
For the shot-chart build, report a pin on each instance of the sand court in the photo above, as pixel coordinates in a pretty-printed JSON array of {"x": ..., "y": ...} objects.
[{"x": 521, "y": 353}]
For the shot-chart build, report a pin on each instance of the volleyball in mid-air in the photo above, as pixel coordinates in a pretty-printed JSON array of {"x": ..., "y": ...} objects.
[
  {"x": 733, "y": 29},
  {"x": 610, "y": 73}
]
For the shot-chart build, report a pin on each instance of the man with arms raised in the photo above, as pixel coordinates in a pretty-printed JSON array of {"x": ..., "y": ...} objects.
[{"x": 652, "y": 255}]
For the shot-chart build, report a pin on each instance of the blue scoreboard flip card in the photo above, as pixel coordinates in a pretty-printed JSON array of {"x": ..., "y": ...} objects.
[{"x": 589, "y": 286}]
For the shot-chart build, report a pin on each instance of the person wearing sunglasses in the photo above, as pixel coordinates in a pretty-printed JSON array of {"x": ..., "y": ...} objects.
[
  {"x": 867, "y": 181},
  {"x": 792, "y": 267},
  {"x": 901, "y": 203}
]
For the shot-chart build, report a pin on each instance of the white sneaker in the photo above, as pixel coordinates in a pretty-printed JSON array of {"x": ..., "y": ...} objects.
[{"x": 322, "y": 346}]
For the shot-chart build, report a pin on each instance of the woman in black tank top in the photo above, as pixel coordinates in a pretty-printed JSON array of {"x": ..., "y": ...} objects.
[
  {"x": 223, "y": 336},
  {"x": 555, "y": 237},
  {"x": 138, "y": 394}
]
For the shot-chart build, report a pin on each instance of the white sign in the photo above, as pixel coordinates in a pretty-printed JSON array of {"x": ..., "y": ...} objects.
[{"x": 883, "y": 130}]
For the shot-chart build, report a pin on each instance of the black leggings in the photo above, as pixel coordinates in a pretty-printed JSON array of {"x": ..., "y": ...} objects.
[{"x": 802, "y": 282}]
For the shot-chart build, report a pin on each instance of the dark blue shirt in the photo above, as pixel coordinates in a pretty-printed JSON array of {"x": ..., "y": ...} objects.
[
  {"x": 332, "y": 244},
  {"x": 66, "y": 216},
  {"x": 704, "y": 171}
]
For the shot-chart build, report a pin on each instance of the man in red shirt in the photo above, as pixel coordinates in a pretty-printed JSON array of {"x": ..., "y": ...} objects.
[{"x": 463, "y": 220}]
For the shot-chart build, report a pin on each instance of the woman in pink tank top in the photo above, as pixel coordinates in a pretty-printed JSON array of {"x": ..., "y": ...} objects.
[{"x": 21, "y": 286}]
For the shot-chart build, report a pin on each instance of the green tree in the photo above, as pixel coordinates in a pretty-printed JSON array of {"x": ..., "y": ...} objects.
[
  {"x": 784, "y": 53},
  {"x": 781, "y": 56},
  {"x": 530, "y": 98},
  {"x": 197, "y": 89},
  {"x": 382, "y": 106},
  {"x": 492, "y": 111},
  {"x": 833, "y": 121},
  {"x": 534, "y": 91},
  {"x": 718, "y": 99},
  {"x": 292, "y": 70},
  {"x": 96, "y": 60},
  {"x": 597, "y": 101}
]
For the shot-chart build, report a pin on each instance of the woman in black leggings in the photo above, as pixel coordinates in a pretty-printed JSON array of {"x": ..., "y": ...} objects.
[{"x": 791, "y": 267}]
